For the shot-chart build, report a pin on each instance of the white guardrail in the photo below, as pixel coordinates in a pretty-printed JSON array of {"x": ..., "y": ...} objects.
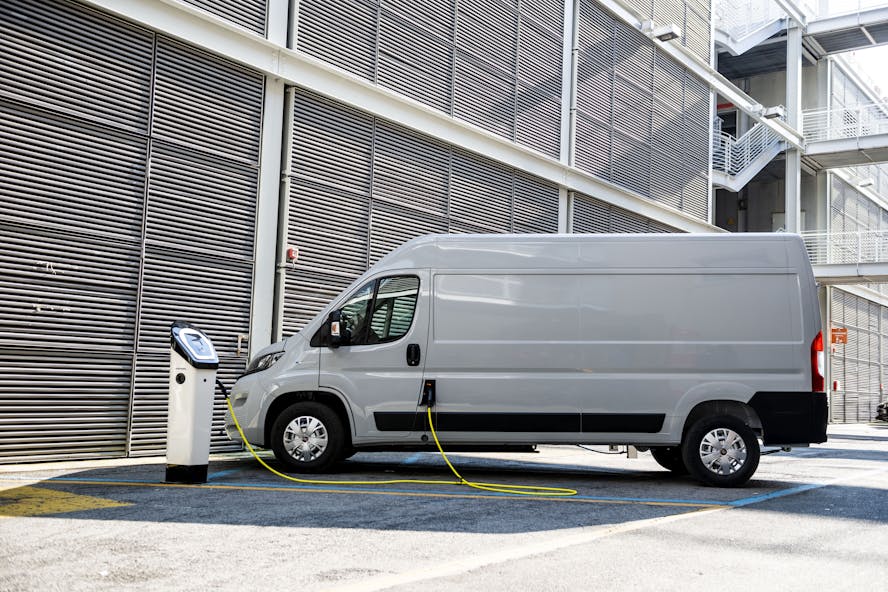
[
  {"x": 739, "y": 18},
  {"x": 846, "y": 122},
  {"x": 732, "y": 155},
  {"x": 869, "y": 246}
]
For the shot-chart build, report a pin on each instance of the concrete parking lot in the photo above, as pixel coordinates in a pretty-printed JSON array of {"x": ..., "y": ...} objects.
[{"x": 812, "y": 517}]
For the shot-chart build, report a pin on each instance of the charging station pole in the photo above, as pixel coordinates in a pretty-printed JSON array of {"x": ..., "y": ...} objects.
[{"x": 193, "y": 365}]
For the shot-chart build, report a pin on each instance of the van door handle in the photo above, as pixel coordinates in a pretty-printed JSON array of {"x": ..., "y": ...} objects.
[{"x": 413, "y": 354}]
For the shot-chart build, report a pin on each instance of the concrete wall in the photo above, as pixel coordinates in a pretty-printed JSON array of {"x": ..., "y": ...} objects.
[{"x": 765, "y": 198}]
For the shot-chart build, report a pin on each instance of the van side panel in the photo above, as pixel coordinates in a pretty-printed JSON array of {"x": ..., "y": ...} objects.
[{"x": 617, "y": 348}]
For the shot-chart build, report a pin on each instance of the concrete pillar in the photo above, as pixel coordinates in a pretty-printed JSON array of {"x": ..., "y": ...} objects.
[{"x": 793, "y": 118}]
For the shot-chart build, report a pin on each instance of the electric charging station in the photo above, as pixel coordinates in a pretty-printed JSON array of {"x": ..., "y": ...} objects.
[{"x": 193, "y": 365}]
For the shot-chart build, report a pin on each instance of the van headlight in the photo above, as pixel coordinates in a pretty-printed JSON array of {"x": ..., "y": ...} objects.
[{"x": 263, "y": 362}]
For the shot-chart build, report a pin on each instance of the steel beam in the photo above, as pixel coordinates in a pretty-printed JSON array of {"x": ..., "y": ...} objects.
[
  {"x": 794, "y": 11},
  {"x": 863, "y": 18}
]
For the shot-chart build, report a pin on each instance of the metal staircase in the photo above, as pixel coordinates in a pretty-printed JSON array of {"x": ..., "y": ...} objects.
[
  {"x": 740, "y": 25},
  {"x": 735, "y": 161}
]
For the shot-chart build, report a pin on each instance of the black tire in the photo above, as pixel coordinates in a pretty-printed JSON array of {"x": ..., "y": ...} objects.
[
  {"x": 730, "y": 465},
  {"x": 323, "y": 437},
  {"x": 669, "y": 457}
]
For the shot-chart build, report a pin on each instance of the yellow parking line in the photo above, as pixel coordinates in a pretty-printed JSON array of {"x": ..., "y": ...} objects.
[{"x": 35, "y": 501}]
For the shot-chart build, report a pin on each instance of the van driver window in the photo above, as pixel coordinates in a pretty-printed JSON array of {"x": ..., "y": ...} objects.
[
  {"x": 388, "y": 304},
  {"x": 393, "y": 308}
]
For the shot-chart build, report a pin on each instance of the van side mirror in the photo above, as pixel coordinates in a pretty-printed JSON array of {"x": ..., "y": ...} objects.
[{"x": 335, "y": 329}]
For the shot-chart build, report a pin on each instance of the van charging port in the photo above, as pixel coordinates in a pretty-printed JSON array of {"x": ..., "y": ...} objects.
[{"x": 428, "y": 394}]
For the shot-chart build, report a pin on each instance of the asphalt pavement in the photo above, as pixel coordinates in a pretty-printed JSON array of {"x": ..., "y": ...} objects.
[{"x": 812, "y": 517}]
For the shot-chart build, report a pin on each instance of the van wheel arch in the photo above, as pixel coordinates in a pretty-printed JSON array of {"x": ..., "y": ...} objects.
[
  {"x": 282, "y": 402},
  {"x": 741, "y": 411}
]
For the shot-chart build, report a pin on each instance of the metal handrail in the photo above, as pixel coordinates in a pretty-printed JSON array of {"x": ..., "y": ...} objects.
[
  {"x": 845, "y": 122},
  {"x": 739, "y": 18},
  {"x": 732, "y": 155},
  {"x": 867, "y": 246}
]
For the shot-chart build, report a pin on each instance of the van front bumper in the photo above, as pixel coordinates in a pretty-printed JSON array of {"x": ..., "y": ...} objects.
[{"x": 791, "y": 418}]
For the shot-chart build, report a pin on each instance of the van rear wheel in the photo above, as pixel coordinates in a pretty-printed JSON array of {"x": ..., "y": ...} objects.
[
  {"x": 669, "y": 457},
  {"x": 721, "y": 451},
  {"x": 307, "y": 437}
]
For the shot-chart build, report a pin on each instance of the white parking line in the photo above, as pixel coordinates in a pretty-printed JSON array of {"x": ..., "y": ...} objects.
[{"x": 470, "y": 563}]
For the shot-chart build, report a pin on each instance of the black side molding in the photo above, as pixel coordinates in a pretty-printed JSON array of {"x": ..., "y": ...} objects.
[
  {"x": 646, "y": 423},
  {"x": 791, "y": 418}
]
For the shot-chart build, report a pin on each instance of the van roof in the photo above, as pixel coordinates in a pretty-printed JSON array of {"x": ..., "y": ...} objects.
[{"x": 575, "y": 251}]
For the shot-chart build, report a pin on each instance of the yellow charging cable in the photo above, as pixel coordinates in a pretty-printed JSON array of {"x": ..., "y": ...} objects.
[{"x": 495, "y": 487}]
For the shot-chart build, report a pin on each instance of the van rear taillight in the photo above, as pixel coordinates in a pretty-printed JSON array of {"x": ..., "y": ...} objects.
[{"x": 818, "y": 364}]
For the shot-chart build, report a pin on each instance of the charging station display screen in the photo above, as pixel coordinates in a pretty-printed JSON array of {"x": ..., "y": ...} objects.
[
  {"x": 194, "y": 345},
  {"x": 198, "y": 346}
]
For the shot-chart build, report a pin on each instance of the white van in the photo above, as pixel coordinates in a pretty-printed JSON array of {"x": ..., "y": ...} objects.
[{"x": 693, "y": 346}]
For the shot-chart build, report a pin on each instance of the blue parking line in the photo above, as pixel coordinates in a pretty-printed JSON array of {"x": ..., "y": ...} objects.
[
  {"x": 412, "y": 459},
  {"x": 799, "y": 489},
  {"x": 223, "y": 473}
]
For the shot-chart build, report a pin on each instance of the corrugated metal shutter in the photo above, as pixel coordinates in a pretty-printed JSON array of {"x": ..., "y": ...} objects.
[
  {"x": 480, "y": 194},
  {"x": 361, "y": 186},
  {"x": 246, "y": 13},
  {"x": 590, "y": 215},
  {"x": 540, "y": 56},
  {"x": 200, "y": 224},
  {"x": 642, "y": 119},
  {"x": 329, "y": 204},
  {"x": 341, "y": 33},
  {"x": 535, "y": 208},
  {"x": 73, "y": 123},
  {"x": 101, "y": 70},
  {"x": 416, "y": 61},
  {"x": 63, "y": 291},
  {"x": 57, "y": 404}
]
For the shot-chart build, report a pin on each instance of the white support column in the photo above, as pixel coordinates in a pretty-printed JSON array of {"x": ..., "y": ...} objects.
[
  {"x": 283, "y": 221},
  {"x": 265, "y": 260},
  {"x": 793, "y": 118},
  {"x": 565, "y": 210},
  {"x": 276, "y": 21},
  {"x": 569, "y": 82}
]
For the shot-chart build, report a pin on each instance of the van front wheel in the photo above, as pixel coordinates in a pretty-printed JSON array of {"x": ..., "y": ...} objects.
[
  {"x": 721, "y": 451},
  {"x": 307, "y": 437}
]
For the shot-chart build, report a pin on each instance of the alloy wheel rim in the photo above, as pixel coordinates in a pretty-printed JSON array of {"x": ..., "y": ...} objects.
[
  {"x": 305, "y": 438},
  {"x": 723, "y": 451}
]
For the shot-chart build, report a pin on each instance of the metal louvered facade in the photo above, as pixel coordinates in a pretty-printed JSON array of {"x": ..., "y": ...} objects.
[
  {"x": 693, "y": 17},
  {"x": 360, "y": 187},
  {"x": 250, "y": 14},
  {"x": 138, "y": 174},
  {"x": 593, "y": 216},
  {"x": 858, "y": 368},
  {"x": 642, "y": 119},
  {"x": 129, "y": 165},
  {"x": 494, "y": 63}
]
